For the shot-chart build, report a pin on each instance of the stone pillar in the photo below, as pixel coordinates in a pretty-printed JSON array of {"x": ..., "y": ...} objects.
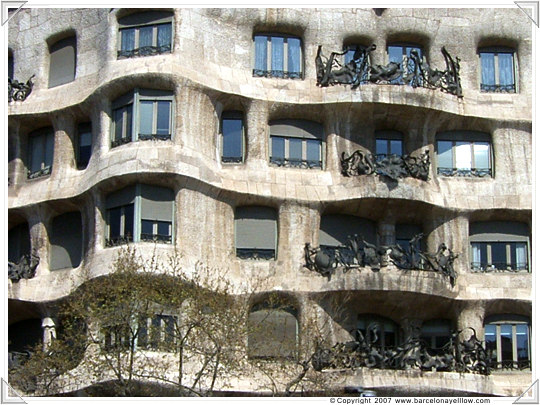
[
  {"x": 99, "y": 214},
  {"x": 103, "y": 111},
  {"x": 471, "y": 316},
  {"x": 257, "y": 137},
  {"x": 49, "y": 332},
  {"x": 64, "y": 151},
  {"x": 38, "y": 223}
]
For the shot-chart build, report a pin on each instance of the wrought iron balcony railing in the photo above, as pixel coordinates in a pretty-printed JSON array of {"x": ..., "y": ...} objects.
[
  {"x": 455, "y": 172},
  {"x": 117, "y": 241},
  {"x": 154, "y": 137},
  {"x": 255, "y": 254},
  {"x": 144, "y": 51},
  {"x": 149, "y": 237},
  {"x": 479, "y": 267},
  {"x": 19, "y": 91},
  {"x": 232, "y": 159},
  {"x": 120, "y": 141},
  {"x": 498, "y": 88},
  {"x": 299, "y": 163},
  {"x": 282, "y": 74},
  {"x": 39, "y": 173}
]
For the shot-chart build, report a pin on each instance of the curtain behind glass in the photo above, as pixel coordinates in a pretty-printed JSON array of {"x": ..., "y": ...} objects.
[
  {"x": 476, "y": 256},
  {"x": 506, "y": 69},
  {"x": 293, "y": 58},
  {"x": 260, "y": 53},
  {"x": 128, "y": 39},
  {"x": 164, "y": 36},
  {"x": 487, "y": 61},
  {"x": 145, "y": 36},
  {"x": 277, "y": 56},
  {"x": 521, "y": 256}
]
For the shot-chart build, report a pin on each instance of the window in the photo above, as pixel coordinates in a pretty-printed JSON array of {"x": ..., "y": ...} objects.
[
  {"x": 157, "y": 332},
  {"x": 464, "y": 153},
  {"x": 151, "y": 119},
  {"x": 388, "y": 143},
  {"x": 116, "y": 337},
  {"x": 401, "y": 54},
  {"x": 41, "y": 150},
  {"x": 508, "y": 339},
  {"x": 10, "y": 64},
  {"x": 144, "y": 34},
  {"x": 18, "y": 242},
  {"x": 278, "y": 56},
  {"x": 232, "y": 132},
  {"x": 296, "y": 143},
  {"x": 66, "y": 241},
  {"x": 377, "y": 330},
  {"x": 497, "y": 70},
  {"x": 335, "y": 230},
  {"x": 404, "y": 234},
  {"x": 84, "y": 145},
  {"x": 362, "y": 67},
  {"x": 496, "y": 245},
  {"x": 272, "y": 332},
  {"x": 63, "y": 56},
  {"x": 436, "y": 334},
  {"x": 140, "y": 213},
  {"x": 256, "y": 233}
]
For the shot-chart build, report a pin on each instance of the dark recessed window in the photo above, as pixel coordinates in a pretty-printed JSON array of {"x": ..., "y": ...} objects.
[
  {"x": 508, "y": 342},
  {"x": 388, "y": 143},
  {"x": 140, "y": 213},
  {"x": 84, "y": 145},
  {"x": 18, "y": 242},
  {"x": 41, "y": 152},
  {"x": 381, "y": 331},
  {"x": 278, "y": 56},
  {"x": 296, "y": 143},
  {"x": 401, "y": 54},
  {"x": 498, "y": 70},
  {"x": 66, "y": 241},
  {"x": 232, "y": 131},
  {"x": 144, "y": 34},
  {"x": 62, "y": 64},
  {"x": 464, "y": 153},
  {"x": 143, "y": 114},
  {"x": 499, "y": 246}
]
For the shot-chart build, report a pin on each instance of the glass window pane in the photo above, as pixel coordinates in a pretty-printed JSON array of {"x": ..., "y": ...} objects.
[
  {"x": 145, "y": 36},
  {"x": 295, "y": 149},
  {"x": 313, "y": 151},
  {"x": 490, "y": 337},
  {"x": 163, "y": 117},
  {"x": 506, "y": 69},
  {"x": 85, "y": 152},
  {"x": 396, "y": 147},
  {"x": 260, "y": 52},
  {"x": 146, "y": 112},
  {"x": 498, "y": 255},
  {"x": 128, "y": 117},
  {"x": 49, "y": 149},
  {"x": 118, "y": 123},
  {"x": 114, "y": 222},
  {"x": 164, "y": 39},
  {"x": 128, "y": 222},
  {"x": 463, "y": 155},
  {"x": 522, "y": 343},
  {"x": 481, "y": 155},
  {"x": 520, "y": 256},
  {"x": 164, "y": 228},
  {"x": 37, "y": 151},
  {"x": 381, "y": 146},
  {"x": 278, "y": 148},
  {"x": 506, "y": 343},
  {"x": 487, "y": 62},
  {"x": 128, "y": 39},
  {"x": 293, "y": 59},
  {"x": 85, "y": 139},
  {"x": 444, "y": 154},
  {"x": 277, "y": 55},
  {"x": 147, "y": 227},
  {"x": 232, "y": 137},
  {"x": 395, "y": 54}
]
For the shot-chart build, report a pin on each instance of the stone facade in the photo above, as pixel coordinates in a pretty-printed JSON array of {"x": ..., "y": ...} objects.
[{"x": 209, "y": 71}]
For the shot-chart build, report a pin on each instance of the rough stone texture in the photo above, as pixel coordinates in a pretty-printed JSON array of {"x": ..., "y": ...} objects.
[{"x": 209, "y": 71}]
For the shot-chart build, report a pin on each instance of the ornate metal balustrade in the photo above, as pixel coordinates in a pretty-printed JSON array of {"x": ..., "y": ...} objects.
[
  {"x": 144, "y": 51},
  {"x": 282, "y": 74},
  {"x": 477, "y": 267},
  {"x": 455, "y": 172},
  {"x": 360, "y": 71},
  {"x": 511, "y": 365},
  {"x": 300, "y": 163},
  {"x": 229, "y": 159},
  {"x": 149, "y": 237},
  {"x": 19, "y": 91},
  {"x": 120, "y": 240},
  {"x": 465, "y": 357},
  {"x": 255, "y": 254},
  {"x": 498, "y": 88},
  {"x": 25, "y": 268},
  {"x": 154, "y": 137},
  {"x": 120, "y": 141},
  {"x": 357, "y": 253},
  {"x": 393, "y": 167},
  {"x": 39, "y": 173}
]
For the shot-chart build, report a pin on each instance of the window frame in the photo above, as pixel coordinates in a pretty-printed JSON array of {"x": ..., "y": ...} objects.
[
  {"x": 138, "y": 192},
  {"x": 147, "y": 19},
  {"x": 405, "y": 67},
  {"x": 509, "y": 233},
  {"x": 269, "y": 72},
  {"x": 57, "y": 61},
  {"x": 45, "y": 136},
  {"x": 296, "y": 127},
  {"x": 508, "y": 320},
  {"x": 82, "y": 129},
  {"x": 388, "y": 136},
  {"x": 164, "y": 342},
  {"x": 133, "y": 100},
  {"x": 497, "y": 87},
  {"x": 232, "y": 115},
  {"x": 472, "y": 138},
  {"x": 256, "y": 253}
]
